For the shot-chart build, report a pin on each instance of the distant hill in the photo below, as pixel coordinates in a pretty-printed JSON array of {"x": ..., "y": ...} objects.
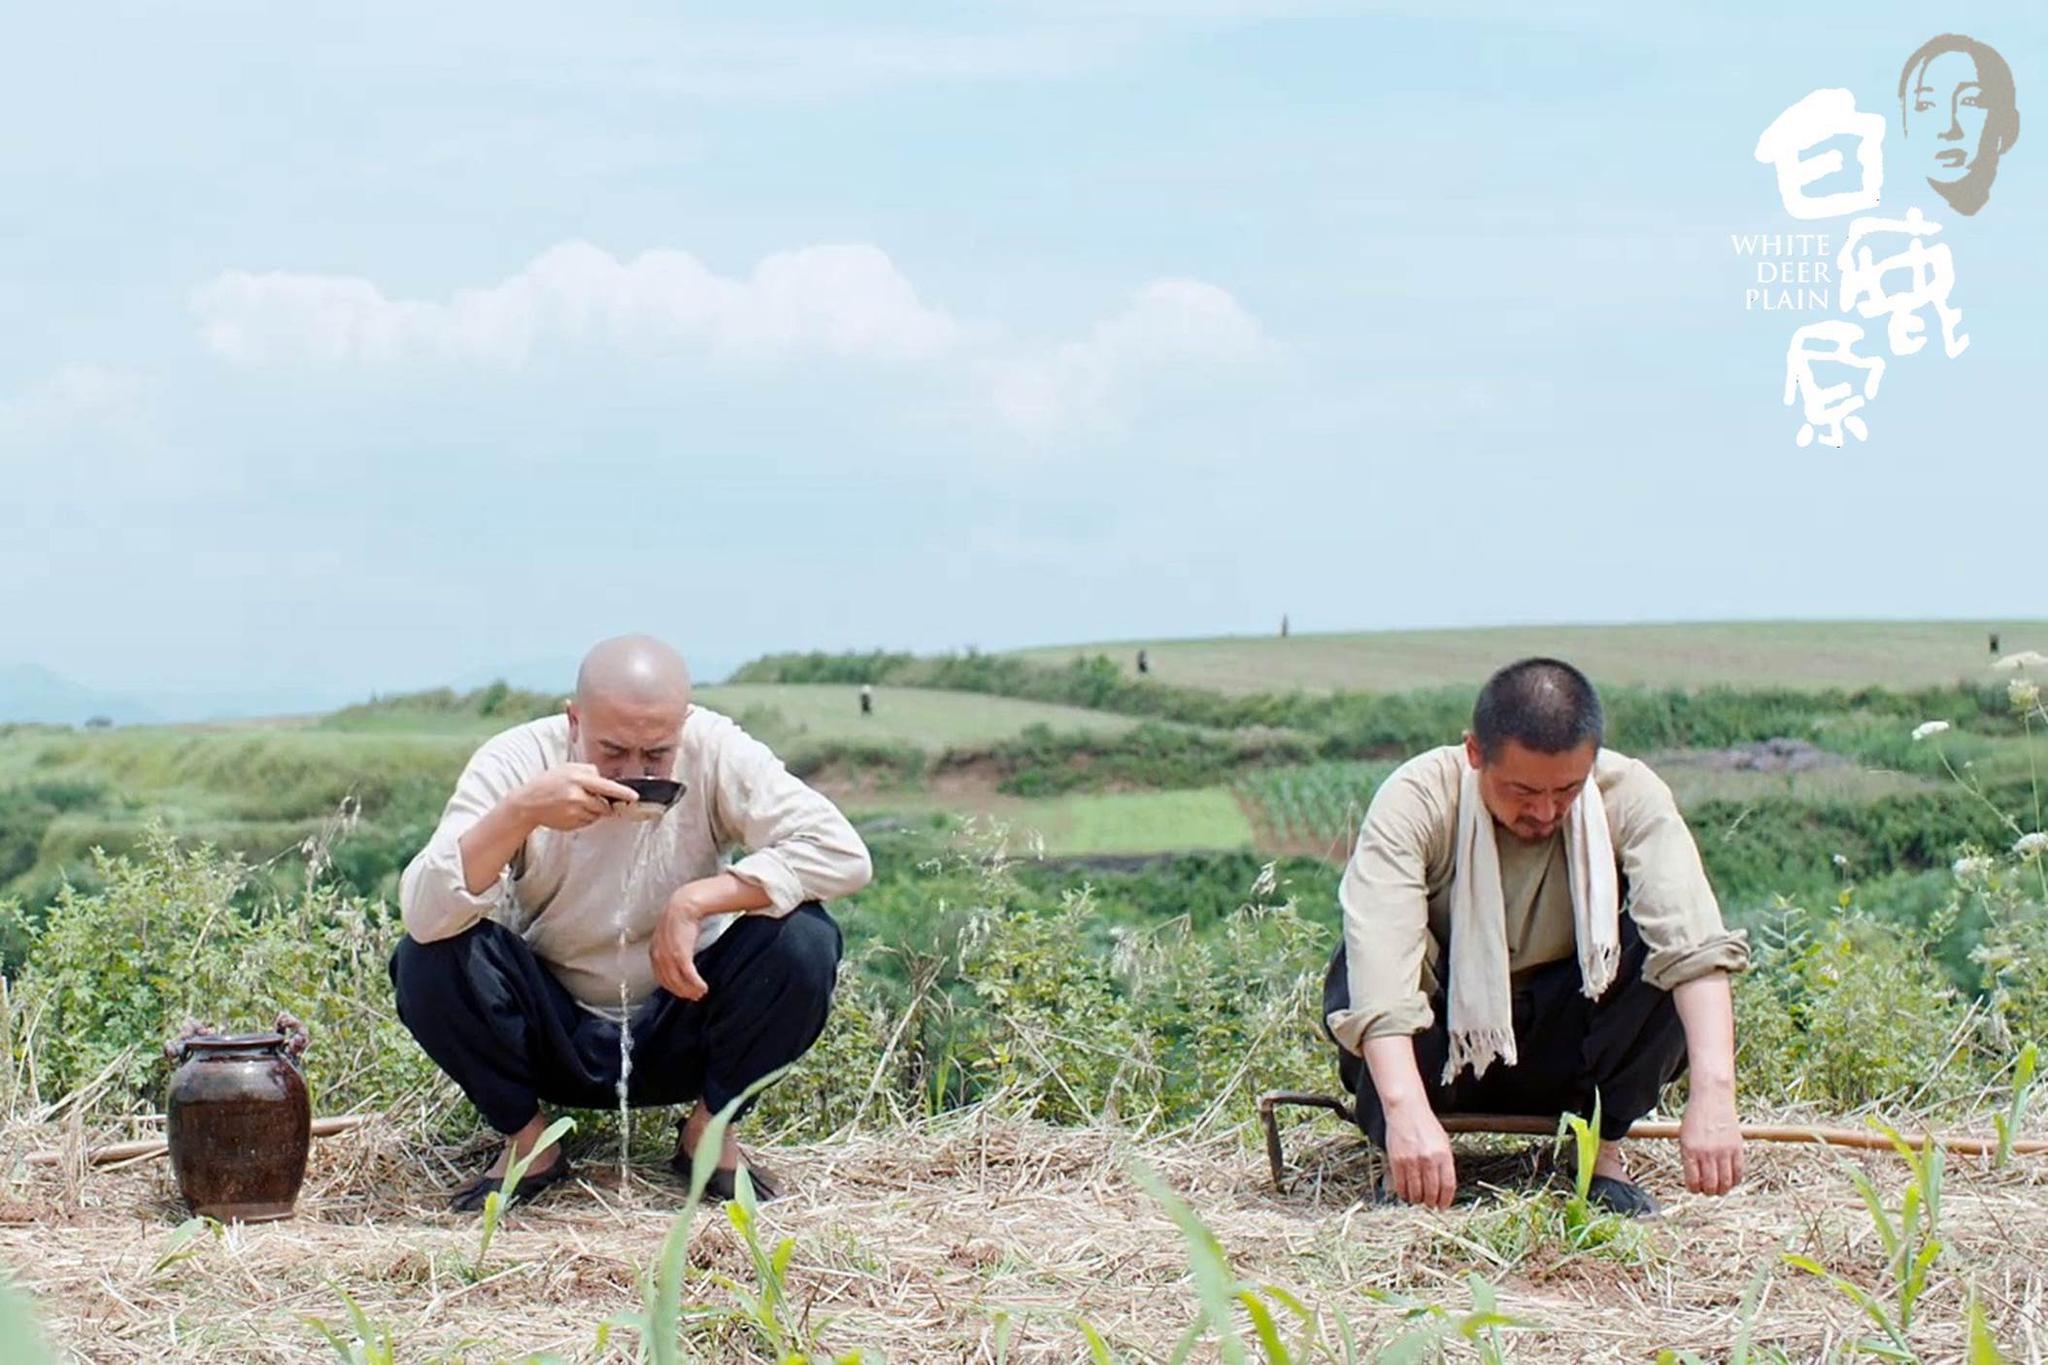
[
  {"x": 1795, "y": 654},
  {"x": 32, "y": 693}
]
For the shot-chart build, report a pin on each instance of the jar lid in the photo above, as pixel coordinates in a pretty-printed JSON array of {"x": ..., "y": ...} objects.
[{"x": 239, "y": 1042}]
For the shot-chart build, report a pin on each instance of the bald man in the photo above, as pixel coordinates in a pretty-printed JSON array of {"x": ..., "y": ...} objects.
[{"x": 541, "y": 919}]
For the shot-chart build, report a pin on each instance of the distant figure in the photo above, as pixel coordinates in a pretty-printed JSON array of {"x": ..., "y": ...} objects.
[
  {"x": 867, "y": 699},
  {"x": 1994, "y": 642},
  {"x": 1144, "y": 664},
  {"x": 1283, "y": 625}
]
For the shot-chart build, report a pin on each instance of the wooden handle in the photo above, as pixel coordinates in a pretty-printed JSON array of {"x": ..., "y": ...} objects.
[
  {"x": 1666, "y": 1130},
  {"x": 147, "y": 1147}
]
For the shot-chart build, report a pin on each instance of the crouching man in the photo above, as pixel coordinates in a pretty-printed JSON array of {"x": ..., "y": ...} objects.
[
  {"x": 1527, "y": 928},
  {"x": 542, "y": 919}
]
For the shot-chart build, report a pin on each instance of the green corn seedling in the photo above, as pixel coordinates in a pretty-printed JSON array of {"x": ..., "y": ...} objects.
[
  {"x": 372, "y": 1344},
  {"x": 1219, "y": 1293},
  {"x": 659, "y": 1322},
  {"x": 2008, "y": 1123},
  {"x": 497, "y": 1200},
  {"x": 1436, "y": 1325},
  {"x": 1912, "y": 1244},
  {"x": 183, "y": 1243},
  {"x": 1981, "y": 1349},
  {"x": 765, "y": 1309}
]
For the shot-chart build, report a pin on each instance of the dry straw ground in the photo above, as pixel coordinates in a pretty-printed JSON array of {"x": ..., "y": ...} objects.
[{"x": 915, "y": 1245}]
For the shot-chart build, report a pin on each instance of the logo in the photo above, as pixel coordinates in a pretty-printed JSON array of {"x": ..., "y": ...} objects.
[{"x": 1958, "y": 117}]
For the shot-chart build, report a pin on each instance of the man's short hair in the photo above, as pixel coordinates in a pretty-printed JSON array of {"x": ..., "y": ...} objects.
[{"x": 1541, "y": 704}]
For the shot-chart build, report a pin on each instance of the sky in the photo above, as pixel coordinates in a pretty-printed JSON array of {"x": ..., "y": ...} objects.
[{"x": 356, "y": 348}]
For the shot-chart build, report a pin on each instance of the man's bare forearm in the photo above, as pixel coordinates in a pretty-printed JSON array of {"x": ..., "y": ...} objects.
[
  {"x": 719, "y": 894},
  {"x": 1706, "y": 1007},
  {"x": 492, "y": 842},
  {"x": 1395, "y": 1076}
]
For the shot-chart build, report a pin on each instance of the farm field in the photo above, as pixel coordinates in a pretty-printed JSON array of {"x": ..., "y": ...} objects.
[
  {"x": 1015, "y": 1041},
  {"x": 1795, "y": 654},
  {"x": 925, "y": 718},
  {"x": 1202, "y": 819}
]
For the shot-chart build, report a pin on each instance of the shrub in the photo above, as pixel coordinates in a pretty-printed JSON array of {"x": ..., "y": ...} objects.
[
  {"x": 1846, "y": 1012},
  {"x": 111, "y": 973}
]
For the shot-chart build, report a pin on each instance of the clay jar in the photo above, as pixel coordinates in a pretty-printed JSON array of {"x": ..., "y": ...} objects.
[{"x": 239, "y": 1125}]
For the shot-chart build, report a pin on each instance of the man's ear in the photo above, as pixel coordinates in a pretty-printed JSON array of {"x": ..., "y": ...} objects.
[
  {"x": 574, "y": 720},
  {"x": 1472, "y": 754}
]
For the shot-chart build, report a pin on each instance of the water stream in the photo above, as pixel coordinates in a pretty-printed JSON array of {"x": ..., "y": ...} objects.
[{"x": 629, "y": 896}]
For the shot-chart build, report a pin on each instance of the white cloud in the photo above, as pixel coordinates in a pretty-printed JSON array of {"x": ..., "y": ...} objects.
[
  {"x": 845, "y": 301},
  {"x": 1170, "y": 327},
  {"x": 842, "y": 302}
]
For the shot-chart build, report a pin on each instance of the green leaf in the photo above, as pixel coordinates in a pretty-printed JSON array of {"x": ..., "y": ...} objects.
[
  {"x": 19, "y": 1340},
  {"x": 1267, "y": 1331},
  {"x": 1098, "y": 1349},
  {"x": 1746, "y": 1315},
  {"x": 1857, "y": 1295},
  {"x": 1880, "y": 1218},
  {"x": 335, "y": 1341},
  {"x": 1215, "y": 1286},
  {"x": 1983, "y": 1348},
  {"x": 178, "y": 1246}
]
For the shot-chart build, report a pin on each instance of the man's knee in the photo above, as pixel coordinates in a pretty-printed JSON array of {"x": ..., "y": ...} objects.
[
  {"x": 809, "y": 949},
  {"x": 420, "y": 970}
]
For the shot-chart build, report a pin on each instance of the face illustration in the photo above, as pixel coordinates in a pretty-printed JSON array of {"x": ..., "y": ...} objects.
[
  {"x": 624, "y": 739},
  {"x": 1530, "y": 792},
  {"x": 1946, "y": 112}
]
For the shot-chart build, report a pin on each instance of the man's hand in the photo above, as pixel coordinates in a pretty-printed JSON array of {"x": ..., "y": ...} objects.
[
  {"x": 1419, "y": 1154},
  {"x": 569, "y": 796},
  {"x": 1710, "y": 1142},
  {"x": 1418, "y": 1149},
  {"x": 673, "y": 949},
  {"x": 1709, "y": 1135}
]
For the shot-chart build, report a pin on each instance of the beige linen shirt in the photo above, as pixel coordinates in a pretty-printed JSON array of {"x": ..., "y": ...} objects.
[
  {"x": 587, "y": 900},
  {"x": 1396, "y": 892}
]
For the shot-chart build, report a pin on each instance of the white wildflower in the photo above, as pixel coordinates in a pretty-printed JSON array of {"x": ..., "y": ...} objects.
[
  {"x": 1929, "y": 727},
  {"x": 1972, "y": 868},
  {"x": 2026, "y": 658},
  {"x": 1841, "y": 861},
  {"x": 2031, "y": 845},
  {"x": 2024, "y": 693}
]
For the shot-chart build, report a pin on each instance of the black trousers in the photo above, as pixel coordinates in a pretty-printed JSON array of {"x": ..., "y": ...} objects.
[
  {"x": 1625, "y": 1046},
  {"x": 497, "y": 1021}
]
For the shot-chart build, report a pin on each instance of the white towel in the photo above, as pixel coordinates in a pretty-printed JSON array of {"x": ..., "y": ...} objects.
[{"x": 1482, "y": 1023}]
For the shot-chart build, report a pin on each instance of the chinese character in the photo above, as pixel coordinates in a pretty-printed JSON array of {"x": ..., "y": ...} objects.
[
  {"x": 1830, "y": 409},
  {"x": 1822, "y": 115},
  {"x": 1932, "y": 271}
]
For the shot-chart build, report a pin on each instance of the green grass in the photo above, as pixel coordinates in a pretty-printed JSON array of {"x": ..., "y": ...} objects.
[
  {"x": 1201, "y": 819},
  {"x": 932, "y": 720},
  {"x": 1800, "y": 654},
  {"x": 253, "y": 790},
  {"x": 1695, "y": 784},
  {"x": 1316, "y": 808},
  {"x": 238, "y": 774}
]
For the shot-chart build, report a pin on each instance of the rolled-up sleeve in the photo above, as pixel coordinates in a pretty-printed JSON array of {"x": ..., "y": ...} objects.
[
  {"x": 1385, "y": 900},
  {"x": 1669, "y": 897},
  {"x": 799, "y": 846},
  {"x": 434, "y": 898}
]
